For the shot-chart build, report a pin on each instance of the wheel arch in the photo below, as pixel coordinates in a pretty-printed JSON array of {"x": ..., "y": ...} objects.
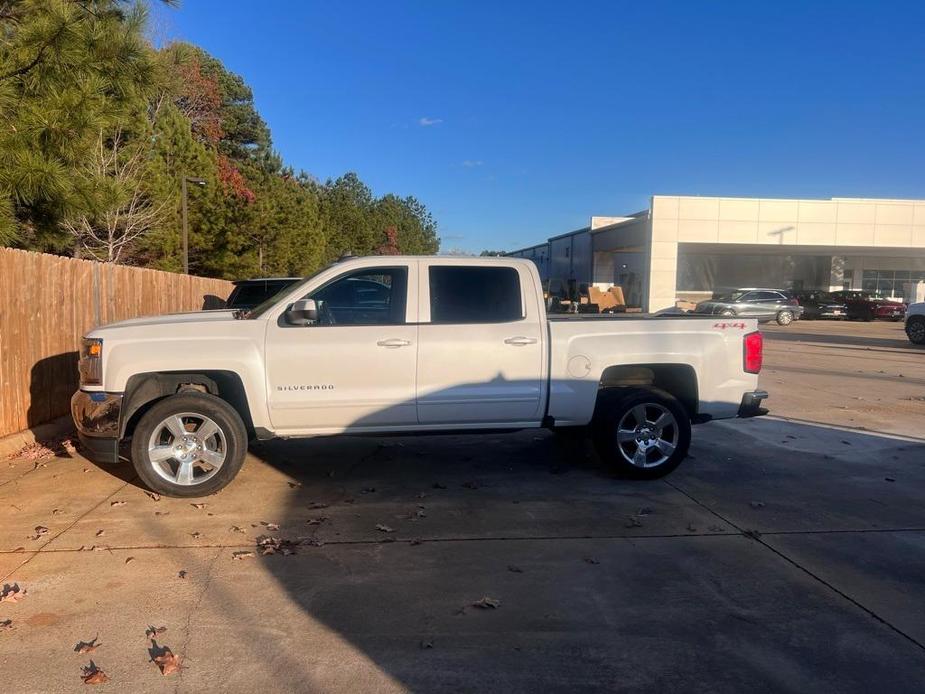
[
  {"x": 143, "y": 390},
  {"x": 678, "y": 380}
]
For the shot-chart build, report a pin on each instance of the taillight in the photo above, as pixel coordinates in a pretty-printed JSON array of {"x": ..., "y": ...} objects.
[{"x": 753, "y": 347}]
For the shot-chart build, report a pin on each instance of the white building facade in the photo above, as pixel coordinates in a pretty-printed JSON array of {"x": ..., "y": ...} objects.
[{"x": 687, "y": 248}]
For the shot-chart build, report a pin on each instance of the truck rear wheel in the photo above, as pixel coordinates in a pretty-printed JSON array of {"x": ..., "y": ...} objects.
[
  {"x": 188, "y": 445},
  {"x": 641, "y": 432}
]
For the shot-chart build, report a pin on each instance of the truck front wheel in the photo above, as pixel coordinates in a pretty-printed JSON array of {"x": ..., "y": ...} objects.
[
  {"x": 641, "y": 432},
  {"x": 188, "y": 445}
]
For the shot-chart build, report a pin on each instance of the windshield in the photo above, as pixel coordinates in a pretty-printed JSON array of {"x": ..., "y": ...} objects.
[{"x": 266, "y": 305}]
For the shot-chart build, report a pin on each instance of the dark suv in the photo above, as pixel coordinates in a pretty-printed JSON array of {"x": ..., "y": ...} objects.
[
  {"x": 763, "y": 304},
  {"x": 870, "y": 306},
  {"x": 820, "y": 304}
]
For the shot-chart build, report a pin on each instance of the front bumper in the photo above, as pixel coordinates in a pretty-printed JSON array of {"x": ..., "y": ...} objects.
[
  {"x": 751, "y": 404},
  {"x": 98, "y": 417}
]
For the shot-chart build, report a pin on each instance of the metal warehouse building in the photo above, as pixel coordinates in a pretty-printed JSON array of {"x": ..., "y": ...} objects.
[{"x": 685, "y": 248}]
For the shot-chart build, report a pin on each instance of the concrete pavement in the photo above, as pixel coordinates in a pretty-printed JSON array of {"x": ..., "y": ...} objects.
[{"x": 783, "y": 556}]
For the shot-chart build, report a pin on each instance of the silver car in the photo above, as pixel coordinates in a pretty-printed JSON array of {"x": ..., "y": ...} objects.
[{"x": 763, "y": 304}]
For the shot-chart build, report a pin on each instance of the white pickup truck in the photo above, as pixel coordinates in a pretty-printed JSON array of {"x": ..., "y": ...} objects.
[{"x": 385, "y": 345}]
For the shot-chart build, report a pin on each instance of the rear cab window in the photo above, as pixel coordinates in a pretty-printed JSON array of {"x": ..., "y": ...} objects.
[{"x": 461, "y": 294}]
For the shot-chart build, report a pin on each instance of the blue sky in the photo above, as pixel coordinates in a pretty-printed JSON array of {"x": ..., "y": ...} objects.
[{"x": 513, "y": 121}]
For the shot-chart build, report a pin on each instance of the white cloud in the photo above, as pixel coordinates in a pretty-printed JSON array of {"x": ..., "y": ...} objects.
[
  {"x": 472, "y": 163},
  {"x": 425, "y": 122}
]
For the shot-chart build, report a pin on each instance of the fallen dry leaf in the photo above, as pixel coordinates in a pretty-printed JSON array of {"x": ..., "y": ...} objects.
[
  {"x": 633, "y": 522},
  {"x": 427, "y": 643},
  {"x": 56, "y": 511},
  {"x": 315, "y": 505},
  {"x": 93, "y": 675},
  {"x": 487, "y": 603},
  {"x": 415, "y": 541},
  {"x": 471, "y": 485},
  {"x": 162, "y": 513},
  {"x": 196, "y": 535},
  {"x": 118, "y": 503},
  {"x": 591, "y": 560},
  {"x": 515, "y": 569},
  {"x": 316, "y": 521},
  {"x": 168, "y": 662},
  {"x": 12, "y": 593},
  {"x": 384, "y": 528},
  {"x": 270, "y": 526},
  {"x": 128, "y": 559},
  {"x": 242, "y": 555},
  {"x": 154, "y": 495},
  {"x": 100, "y": 533},
  {"x": 238, "y": 529},
  {"x": 152, "y": 631},
  {"x": 368, "y": 490},
  {"x": 39, "y": 531},
  {"x": 198, "y": 505},
  {"x": 274, "y": 545},
  {"x": 6, "y": 624},
  {"x": 295, "y": 485},
  {"x": 87, "y": 646},
  {"x": 181, "y": 574}
]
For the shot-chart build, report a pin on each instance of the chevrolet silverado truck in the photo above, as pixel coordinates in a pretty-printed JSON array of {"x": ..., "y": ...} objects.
[{"x": 401, "y": 345}]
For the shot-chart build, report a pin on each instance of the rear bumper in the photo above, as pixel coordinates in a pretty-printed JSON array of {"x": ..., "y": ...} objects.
[
  {"x": 97, "y": 417},
  {"x": 751, "y": 404}
]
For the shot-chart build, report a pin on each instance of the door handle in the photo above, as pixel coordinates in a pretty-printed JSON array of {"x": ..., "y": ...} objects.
[
  {"x": 393, "y": 343},
  {"x": 520, "y": 341}
]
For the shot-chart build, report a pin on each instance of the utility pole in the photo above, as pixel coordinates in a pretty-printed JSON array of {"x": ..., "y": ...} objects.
[{"x": 195, "y": 181}]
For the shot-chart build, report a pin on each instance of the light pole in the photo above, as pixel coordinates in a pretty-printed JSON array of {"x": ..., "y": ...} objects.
[{"x": 198, "y": 182}]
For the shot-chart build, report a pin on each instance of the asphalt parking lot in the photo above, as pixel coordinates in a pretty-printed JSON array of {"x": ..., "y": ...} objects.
[{"x": 788, "y": 554}]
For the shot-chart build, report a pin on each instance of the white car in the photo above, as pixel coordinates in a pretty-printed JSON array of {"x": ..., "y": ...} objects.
[
  {"x": 405, "y": 345},
  {"x": 915, "y": 323}
]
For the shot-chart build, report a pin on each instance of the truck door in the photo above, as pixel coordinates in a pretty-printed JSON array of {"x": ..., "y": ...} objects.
[
  {"x": 355, "y": 366},
  {"x": 480, "y": 346}
]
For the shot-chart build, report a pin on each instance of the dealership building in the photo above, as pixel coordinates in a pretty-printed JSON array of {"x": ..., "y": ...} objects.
[{"x": 686, "y": 248}]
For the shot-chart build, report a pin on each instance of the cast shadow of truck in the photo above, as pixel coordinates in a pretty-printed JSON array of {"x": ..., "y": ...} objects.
[{"x": 407, "y": 534}]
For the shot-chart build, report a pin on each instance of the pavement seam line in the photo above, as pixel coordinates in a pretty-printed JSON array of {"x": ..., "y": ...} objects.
[
  {"x": 79, "y": 518},
  {"x": 797, "y": 565},
  {"x": 193, "y": 610},
  {"x": 437, "y": 540}
]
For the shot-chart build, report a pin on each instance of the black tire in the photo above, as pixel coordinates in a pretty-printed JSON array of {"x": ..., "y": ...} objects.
[
  {"x": 784, "y": 317},
  {"x": 615, "y": 406},
  {"x": 915, "y": 330},
  {"x": 232, "y": 439}
]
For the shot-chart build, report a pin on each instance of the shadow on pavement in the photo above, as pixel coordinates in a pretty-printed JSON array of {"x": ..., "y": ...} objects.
[{"x": 609, "y": 584}]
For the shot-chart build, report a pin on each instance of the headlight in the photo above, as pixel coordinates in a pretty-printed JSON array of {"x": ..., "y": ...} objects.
[{"x": 90, "y": 365}]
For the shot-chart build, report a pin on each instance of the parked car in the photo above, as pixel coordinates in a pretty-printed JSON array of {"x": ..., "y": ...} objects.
[
  {"x": 870, "y": 306},
  {"x": 458, "y": 344},
  {"x": 915, "y": 323},
  {"x": 820, "y": 304},
  {"x": 763, "y": 304},
  {"x": 248, "y": 294}
]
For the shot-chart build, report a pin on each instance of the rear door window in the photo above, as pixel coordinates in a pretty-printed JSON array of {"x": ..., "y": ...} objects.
[{"x": 461, "y": 294}]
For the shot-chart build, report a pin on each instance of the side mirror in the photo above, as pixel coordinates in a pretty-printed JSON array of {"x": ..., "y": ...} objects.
[{"x": 302, "y": 312}]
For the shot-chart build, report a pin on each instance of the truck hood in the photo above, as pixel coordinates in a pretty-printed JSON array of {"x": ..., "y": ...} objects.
[{"x": 171, "y": 319}]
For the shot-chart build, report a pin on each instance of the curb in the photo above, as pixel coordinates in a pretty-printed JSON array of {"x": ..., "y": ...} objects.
[{"x": 13, "y": 443}]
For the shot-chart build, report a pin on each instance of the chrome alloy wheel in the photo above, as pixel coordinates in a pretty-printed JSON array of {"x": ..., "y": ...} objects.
[
  {"x": 647, "y": 435},
  {"x": 187, "y": 448}
]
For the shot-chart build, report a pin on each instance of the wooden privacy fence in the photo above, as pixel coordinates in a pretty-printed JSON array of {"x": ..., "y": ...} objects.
[{"x": 48, "y": 302}]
